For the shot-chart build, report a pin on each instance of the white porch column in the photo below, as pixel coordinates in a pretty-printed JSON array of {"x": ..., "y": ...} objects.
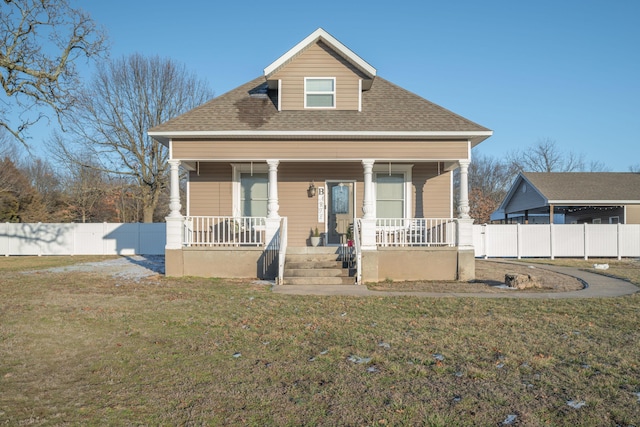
[
  {"x": 368, "y": 223},
  {"x": 273, "y": 218},
  {"x": 463, "y": 205},
  {"x": 272, "y": 202},
  {"x": 466, "y": 254},
  {"x": 174, "y": 220},
  {"x": 367, "y": 207}
]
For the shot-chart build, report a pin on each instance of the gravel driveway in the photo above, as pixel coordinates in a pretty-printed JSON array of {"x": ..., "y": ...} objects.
[{"x": 130, "y": 268}]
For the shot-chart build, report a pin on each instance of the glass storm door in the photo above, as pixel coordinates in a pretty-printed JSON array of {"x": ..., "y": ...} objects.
[{"x": 339, "y": 211}]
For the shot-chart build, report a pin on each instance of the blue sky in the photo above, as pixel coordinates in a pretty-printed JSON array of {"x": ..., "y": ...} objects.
[{"x": 564, "y": 70}]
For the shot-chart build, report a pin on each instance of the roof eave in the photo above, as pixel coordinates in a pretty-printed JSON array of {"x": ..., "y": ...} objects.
[{"x": 475, "y": 137}]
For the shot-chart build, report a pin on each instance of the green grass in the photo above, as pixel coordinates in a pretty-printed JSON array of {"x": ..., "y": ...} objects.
[{"x": 80, "y": 349}]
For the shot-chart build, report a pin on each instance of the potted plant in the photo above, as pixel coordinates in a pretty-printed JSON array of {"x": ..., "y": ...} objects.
[
  {"x": 315, "y": 237},
  {"x": 350, "y": 237}
]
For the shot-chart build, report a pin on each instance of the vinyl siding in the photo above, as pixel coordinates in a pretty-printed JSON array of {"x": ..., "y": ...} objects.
[
  {"x": 633, "y": 214},
  {"x": 318, "y": 150},
  {"x": 318, "y": 61},
  {"x": 524, "y": 200},
  {"x": 211, "y": 192},
  {"x": 432, "y": 191}
]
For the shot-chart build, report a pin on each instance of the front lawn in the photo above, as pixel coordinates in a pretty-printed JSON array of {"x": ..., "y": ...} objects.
[{"x": 84, "y": 349}]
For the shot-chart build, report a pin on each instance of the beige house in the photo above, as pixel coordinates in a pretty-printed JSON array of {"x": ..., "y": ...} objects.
[
  {"x": 320, "y": 141},
  {"x": 575, "y": 197}
]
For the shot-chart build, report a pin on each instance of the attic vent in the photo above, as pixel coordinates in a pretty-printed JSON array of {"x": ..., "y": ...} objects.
[{"x": 260, "y": 91}]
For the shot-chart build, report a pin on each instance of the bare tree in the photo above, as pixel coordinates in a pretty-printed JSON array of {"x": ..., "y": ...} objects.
[
  {"x": 40, "y": 41},
  {"x": 545, "y": 156},
  {"x": 489, "y": 180},
  {"x": 126, "y": 98},
  {"x": 635, "y": 168}
]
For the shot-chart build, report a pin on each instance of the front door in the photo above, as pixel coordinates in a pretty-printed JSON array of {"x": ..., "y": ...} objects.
[{"x": 339, "y": 210}]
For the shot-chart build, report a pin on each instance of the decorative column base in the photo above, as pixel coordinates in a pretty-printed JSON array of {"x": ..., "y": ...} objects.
[
  {"x": 272, "y": 230},
  {"x": 368, "y": 234},
  {"x": 465, "y": 233},
  {"x": 174, "y": 232}
]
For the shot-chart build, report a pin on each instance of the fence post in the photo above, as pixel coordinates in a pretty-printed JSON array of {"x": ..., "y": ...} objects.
[
  {"x": 7, "y": 238},
  {"x": 619, "y": 241},
  {"x": 484, "y": 241},
  {"x": 586, "y": 241},
  {"x": 518, "y": 241},
  {"x": 551, "y": 241}
]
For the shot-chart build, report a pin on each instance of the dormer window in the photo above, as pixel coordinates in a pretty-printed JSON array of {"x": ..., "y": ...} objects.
[{"x": 320, "y": 92}]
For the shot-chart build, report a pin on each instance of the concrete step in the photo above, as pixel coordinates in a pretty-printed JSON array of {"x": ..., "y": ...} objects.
[
  {"x": 312, "y": 264},
  {"x": 297, "y": 250},
  {"x": 316, "y": 272},
  {"x": 315, "y": 266},
  {"x": 319, "y": 281}
]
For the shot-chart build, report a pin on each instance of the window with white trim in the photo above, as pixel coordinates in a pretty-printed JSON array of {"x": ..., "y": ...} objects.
[
  {"x": 250, "y": 190},
  {"x": 614, "y": 220},
  {"x": 393, "y": 187},
  {"x": 319, "y": 92}
]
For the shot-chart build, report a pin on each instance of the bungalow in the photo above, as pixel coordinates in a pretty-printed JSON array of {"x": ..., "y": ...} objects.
[
  {"x": 320, "y": 142},
  {"x": 573, "y": 197}
]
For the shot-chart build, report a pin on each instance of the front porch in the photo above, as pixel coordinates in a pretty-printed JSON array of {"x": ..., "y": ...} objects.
[
  {"x": 318, "y": 196},
  {"x": 376, "y": 250}
]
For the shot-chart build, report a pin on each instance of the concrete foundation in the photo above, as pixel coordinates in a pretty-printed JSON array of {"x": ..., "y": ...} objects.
[
  {"x": 410, "y": 263},
  {"x": 237, "y": 262},
  {"x": 393, "y": 263}
]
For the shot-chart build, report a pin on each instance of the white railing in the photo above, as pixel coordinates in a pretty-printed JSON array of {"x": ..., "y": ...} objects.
[
  {"x": 415, "y": 232},
  {"x": 282, "y": 253},
  {"x": 358, "y": 250},
  {"x": 557, "y": 240},
  {"x": 224, "y": 231}
]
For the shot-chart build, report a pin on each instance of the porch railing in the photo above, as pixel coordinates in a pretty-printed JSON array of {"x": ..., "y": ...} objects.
[
  {"x": 415, "y": 232},
  {"x": 357, "y": 251},
  {"x": 282, "y": 253},
  {"x": 224, "y": 231}
]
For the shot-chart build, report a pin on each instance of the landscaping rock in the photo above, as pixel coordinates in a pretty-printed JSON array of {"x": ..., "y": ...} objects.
[{"x": 521, "y": 281}]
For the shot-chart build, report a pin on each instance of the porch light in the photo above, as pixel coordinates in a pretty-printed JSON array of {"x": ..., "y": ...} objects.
[{"x": 311, "y": 191}]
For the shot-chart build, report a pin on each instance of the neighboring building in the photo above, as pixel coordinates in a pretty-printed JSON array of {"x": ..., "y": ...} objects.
[
  {"x": 319, "y": 141},
  {"x": 577, "y": 197}
]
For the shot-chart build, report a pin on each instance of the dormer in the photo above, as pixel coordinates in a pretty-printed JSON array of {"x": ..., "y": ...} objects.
[{"x": 319, "y": 73}]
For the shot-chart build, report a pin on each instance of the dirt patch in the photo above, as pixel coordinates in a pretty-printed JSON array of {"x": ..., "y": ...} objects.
[{"x": 490, "y": 277}]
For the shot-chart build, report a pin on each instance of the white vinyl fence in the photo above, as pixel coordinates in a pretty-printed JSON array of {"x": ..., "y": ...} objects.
[
  {"x": 556, "y": 240},
  {"x": 82, "y": 239}
]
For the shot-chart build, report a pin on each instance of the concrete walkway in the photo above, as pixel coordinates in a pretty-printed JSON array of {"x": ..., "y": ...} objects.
[{"x": 597, "y": 286}]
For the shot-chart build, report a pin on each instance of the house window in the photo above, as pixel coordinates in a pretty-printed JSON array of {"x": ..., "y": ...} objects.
[
  {"x": 390, "y": 196},
  {"x": 250, "y": 190},
  {"x": 253, "y": 194},
  {"x": 597, "y": 221},
  {"x": 392, "y": 189},
  {"x": 614, "y": 219},
  {"x": 320, "y": 92}
]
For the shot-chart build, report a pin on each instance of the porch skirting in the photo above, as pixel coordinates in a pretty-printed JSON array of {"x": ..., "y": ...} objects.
[
  {"x": 394, "y": 263},
  {"x": 226, "y": 262},
  {"x": 417, "y": 263}
]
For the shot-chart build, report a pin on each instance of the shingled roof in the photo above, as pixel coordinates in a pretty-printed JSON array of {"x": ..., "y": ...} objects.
[
  {"x": 387, "y": 110},
  {"x": 595, "y": 187}
]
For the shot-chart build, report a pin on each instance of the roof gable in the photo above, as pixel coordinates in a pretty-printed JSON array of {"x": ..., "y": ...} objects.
[
  {"x": 587, "y": 186},
  {"x": 572, "y": 189},
  {"x": 329, "y": 40}
]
